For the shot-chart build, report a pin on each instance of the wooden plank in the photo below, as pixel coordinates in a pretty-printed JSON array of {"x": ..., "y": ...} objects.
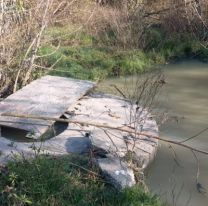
[{"x": 49, "y": 96}]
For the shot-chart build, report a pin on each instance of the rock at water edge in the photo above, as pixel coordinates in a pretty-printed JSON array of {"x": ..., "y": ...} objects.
[{"x": 117, "y": 172}]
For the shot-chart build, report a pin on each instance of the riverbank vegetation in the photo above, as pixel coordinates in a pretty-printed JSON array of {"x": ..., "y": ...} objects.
[
  {"x": 63, "y": 181},
  {"x": 89, "y": 60},
  {"x": 118, "y": 41},
  {"x": 86, "y": 40},
  {"x": 96, "y": 39}
]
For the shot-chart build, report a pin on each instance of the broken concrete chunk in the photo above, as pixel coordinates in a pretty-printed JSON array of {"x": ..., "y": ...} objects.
[
  {"x": 144, "y": 154},
  {"x": 114, "y": 142},
  {"x": 117, "y": 172},
  {"x": 111, "y": 142},
  {"x": 78, "y": 145}
]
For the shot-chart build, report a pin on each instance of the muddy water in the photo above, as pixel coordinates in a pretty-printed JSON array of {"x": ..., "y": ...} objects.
[{"x": 173, "y": 175}]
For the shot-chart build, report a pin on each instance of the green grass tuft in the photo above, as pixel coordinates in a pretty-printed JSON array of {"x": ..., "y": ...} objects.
[
  {"x": 89, "y": 62},
  {"x": 47, "y": 181}
]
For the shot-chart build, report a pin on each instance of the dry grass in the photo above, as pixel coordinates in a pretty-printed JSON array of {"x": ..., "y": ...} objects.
[
  {"x": 22, "y": 25},
  {"x": 120, "y": 26}
]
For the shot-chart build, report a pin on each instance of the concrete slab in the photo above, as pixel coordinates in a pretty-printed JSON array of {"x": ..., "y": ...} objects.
[
  {"x": 113, "y": 111},
  {"x": 48, "y": 96},
  {"x": 112, "y": 148}
]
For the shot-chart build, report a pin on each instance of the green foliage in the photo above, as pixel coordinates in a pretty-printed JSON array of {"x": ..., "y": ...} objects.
[
  {"x": 154, "y": 37},
  {"x": 57, "y": 182},
  {"x": 131, "y": 62},
  {"x": 83, "y": 56},
  {"x": 160, "y": 47},
  {"x": 90, "y": 62}
]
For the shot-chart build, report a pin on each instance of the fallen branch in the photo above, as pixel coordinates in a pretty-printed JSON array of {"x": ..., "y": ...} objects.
[{"x": 127, "y": 130}]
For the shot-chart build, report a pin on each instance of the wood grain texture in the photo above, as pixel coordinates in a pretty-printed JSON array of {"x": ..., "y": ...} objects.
[{"x": 49, "y": 96}]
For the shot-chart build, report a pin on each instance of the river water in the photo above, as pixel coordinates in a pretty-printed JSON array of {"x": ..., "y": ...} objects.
[{"x": 173, "y": 175}]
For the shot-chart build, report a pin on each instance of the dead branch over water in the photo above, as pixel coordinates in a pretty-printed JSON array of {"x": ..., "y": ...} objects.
[{"x": 122, "y": 129}]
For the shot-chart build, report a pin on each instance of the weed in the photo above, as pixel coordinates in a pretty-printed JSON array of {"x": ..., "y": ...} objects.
[{"x": 56, "y": 182}]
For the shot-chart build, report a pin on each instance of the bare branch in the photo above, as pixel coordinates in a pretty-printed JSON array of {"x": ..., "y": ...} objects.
[{"x": 108, "y": 127}]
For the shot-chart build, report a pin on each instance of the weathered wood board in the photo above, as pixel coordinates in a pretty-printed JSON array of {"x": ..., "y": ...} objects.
[{"x": 49, "y": 96}]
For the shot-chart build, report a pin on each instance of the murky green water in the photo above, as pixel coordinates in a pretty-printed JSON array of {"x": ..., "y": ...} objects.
[{"x": 185, "y": 96}]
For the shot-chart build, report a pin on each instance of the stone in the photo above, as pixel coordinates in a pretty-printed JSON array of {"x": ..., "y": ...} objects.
[
  {"x": 108, "y": 142},
  {"x": 117, "y": 172}
]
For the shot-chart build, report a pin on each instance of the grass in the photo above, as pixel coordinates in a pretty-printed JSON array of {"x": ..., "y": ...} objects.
[
  {"x": 161, "y": 47},
  {"x": 56, "y": 182},
  {"x": 89, "y": 62},
  {"x": 82, "y": 56}
]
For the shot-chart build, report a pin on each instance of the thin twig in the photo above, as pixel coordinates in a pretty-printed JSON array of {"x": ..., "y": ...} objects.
[
  {"x": 107, "y": 127},
  {"x": 194, "y": 136}
]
